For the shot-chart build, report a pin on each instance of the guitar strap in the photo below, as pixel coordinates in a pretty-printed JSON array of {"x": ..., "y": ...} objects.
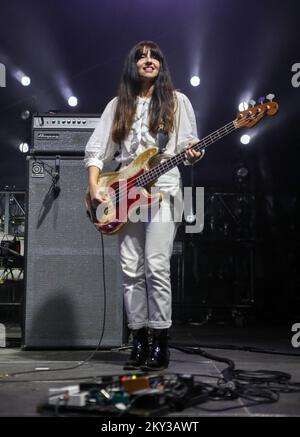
[{"x": 162, "y": 138}]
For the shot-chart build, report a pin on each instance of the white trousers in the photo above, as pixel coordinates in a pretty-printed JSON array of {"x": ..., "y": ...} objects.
[{"x": 145, "y": 253}]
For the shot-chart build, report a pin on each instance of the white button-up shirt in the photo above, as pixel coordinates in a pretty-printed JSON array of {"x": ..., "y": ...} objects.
[{"x": 101, "y": 149}]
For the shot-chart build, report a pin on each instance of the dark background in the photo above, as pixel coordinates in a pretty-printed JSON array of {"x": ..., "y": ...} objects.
[{"x": 241, "y": 50}]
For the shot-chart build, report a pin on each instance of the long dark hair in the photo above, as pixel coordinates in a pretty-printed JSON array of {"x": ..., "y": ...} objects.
[{"x": 162, "y": 105}]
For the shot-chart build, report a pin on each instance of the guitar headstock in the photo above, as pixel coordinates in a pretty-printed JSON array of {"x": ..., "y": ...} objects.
[{"x": 255, "y": 113}]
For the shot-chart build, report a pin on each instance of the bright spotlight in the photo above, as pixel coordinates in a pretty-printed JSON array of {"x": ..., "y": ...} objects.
[
  {"x": 25, "y": 80},
  {"x": 245, "y": 139},
  {"x": 195, "y": 81},
  {"x": 24, "y": 147},
  {"x": 72, "y": 101},
  {"x": 243, "y": 106}
]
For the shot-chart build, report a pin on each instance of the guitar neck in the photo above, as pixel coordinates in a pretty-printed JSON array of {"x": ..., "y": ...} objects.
[{"x": 164, "y": 167}]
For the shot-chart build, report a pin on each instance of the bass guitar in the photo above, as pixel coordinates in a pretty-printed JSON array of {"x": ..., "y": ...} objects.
[{"x": 128, "y": 189}]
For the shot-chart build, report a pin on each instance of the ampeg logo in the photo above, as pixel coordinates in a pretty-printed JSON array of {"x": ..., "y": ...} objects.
[
  {"x": 296, "y": 337},
  {"x": 37, "y": 170},
  {"x": 2, "y": 76},
  {"x": 296, "y": 77}
]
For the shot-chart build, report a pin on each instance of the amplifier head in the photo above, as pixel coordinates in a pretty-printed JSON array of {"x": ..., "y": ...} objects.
[{"x": 62, "y": 133}]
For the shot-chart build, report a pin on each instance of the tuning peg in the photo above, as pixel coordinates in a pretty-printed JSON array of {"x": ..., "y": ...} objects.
[
  {"x": 270, "y": 97},
  {"x": 252, "y": 103},
  {"x": 261, "y": 100}
]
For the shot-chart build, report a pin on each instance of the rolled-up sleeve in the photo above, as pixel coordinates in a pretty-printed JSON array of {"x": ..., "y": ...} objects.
[{"x": 100, "y": 148}]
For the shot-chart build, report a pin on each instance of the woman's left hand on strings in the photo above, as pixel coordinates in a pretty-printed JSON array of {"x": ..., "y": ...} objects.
[{"x": 192, "y": 155}]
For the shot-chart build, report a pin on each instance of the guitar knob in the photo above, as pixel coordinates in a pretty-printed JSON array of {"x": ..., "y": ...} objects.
[
  {"x": 261, "y": 100},
  {"x": 270, "y": 97},
  {"x": 252, "y": 103}
]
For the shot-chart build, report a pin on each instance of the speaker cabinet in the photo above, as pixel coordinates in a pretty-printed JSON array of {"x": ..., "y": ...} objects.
[{"x": 66, "y": 305}]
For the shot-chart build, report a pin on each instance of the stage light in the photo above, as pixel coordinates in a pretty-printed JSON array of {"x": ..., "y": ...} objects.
[
  {"x": 24, "y": 147},
  {"x": 245, "y": 139},
  {"x": 25, "y": 80},
  {"x": 25, "y": 114},
  {"x": 243, "y": 106},
  {"x": 73, "y": 101},
  {"x": 195, "y": 81}
]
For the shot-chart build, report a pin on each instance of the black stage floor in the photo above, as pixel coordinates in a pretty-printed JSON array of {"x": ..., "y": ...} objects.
[{"x": 251, "y": 348}]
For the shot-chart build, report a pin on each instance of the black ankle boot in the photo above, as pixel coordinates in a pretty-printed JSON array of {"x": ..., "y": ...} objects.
[
  {"x": 140, "y": 350},
  {"x": 159, "y": 354}
]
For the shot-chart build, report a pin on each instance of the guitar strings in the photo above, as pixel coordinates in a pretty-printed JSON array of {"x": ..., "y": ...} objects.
[
  {"x": 154, "y": 173},
  {"x": 151, "y": 175},
  {"x": 143, "y": 178}
]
